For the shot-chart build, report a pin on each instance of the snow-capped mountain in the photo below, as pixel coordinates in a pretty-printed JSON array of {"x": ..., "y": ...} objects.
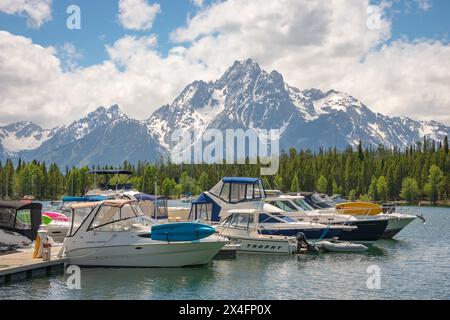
[
  {"x": 22, "y": 136},
  {"x": 244, "y": 97},
  {"x": 247, "y": 96},
  {"x": 104, "y": 137}
]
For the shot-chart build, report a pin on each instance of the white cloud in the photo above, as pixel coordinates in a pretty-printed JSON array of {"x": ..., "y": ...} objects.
[
  {"x": 137, "y": 14},
  {"x": 424, "y": 5},
  {"x": 197, "y": 3},
  {"x": 69, "y": 56},
  {"x": 313, "y": 44},
  {"x": 37, "y": 11},
  {"x": 35, "y": 87}
]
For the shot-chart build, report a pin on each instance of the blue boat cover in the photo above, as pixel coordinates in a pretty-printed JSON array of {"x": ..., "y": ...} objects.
[
  {"x": 240, "y": 180},
  {"x": 204, "y": 199},
  {"x": 84, "y": 199}
]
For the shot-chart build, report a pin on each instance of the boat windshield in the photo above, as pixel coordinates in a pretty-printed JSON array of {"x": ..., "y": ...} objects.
[
  {"x": 239, "y": 220},
  {"x": 319, "y": 202},
  {"x": 301, "y": 203},
  {"x": 284, "y": 205},
  {"x": 114, "y": 218},
  {"x": 274, "y": 217}
]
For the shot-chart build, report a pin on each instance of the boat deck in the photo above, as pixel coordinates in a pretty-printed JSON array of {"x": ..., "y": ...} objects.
[{"x": 20, "y": 265}]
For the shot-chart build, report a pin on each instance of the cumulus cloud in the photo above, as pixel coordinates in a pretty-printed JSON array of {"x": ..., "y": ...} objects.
[
  {"x": 137, "y": 14},
  {"x": 34, "y": 85},
  {"x": 37, "y": 12},
  {"x": 313, "y": 44}
]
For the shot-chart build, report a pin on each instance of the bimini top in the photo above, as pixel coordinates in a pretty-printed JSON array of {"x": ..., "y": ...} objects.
[
  {"x": 111, "y": 172},
  {"x": 111, "y": 203},
  {"x": 240, "y": 180},
  {"x": 18, "y": 205}
]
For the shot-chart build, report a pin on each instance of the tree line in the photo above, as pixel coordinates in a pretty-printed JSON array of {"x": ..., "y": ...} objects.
[{"x": 419, "y": 172}]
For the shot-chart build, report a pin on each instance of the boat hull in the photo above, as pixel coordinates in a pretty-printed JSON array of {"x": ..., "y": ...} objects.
[
  {"x": 367, "y": 232},
  {"x": 310, "y": 234},
  {"x": 148, "y": 255},
  {"x": 265, "y": 245},
  {"x": 395, "y": 225}
]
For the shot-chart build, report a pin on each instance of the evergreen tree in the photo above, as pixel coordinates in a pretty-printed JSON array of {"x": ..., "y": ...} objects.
[
  {"x": 382, "y": 188},
  {"x": 410, "y": 189},
  {"x": 435, "y": 184},
  {"x": 295, "y": 187},
  {"x": 322, "y": 185}
]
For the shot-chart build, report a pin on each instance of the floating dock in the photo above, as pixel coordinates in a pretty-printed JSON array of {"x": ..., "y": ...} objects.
[{"x": 20, "y": 265}]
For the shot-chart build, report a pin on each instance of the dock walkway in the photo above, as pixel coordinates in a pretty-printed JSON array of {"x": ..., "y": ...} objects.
[{"x": 20, "y": 265}]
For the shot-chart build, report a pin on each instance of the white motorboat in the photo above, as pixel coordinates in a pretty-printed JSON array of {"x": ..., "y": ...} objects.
[
  {"x": 396, "y": 221},
  {"x": 242, "y": 228},
  {"x": 368, "y": 231},
  {"x": 117, "y": 233},
  {"x": 261, "y": 231},
  {"x": 19, "y": 222}
]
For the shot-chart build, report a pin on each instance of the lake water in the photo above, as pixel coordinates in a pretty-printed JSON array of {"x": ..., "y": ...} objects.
[{"x": 414, "y": 266}]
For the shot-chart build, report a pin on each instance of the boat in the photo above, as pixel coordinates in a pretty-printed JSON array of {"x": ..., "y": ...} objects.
[
  {"x": 246, "y": 233},
  {"x": 397, "y": 221},
  {"x": 239, "y": 193},
  {"x": 15, "y": 232},
  {"x": 368, "y": 230},
  {"x": 230, "y": 193},
  {"x": 116, "y": 233},
  {"x": 341, "y": 246}
]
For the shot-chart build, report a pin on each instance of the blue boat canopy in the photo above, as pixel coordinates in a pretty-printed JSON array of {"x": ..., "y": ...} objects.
[
  {"x": 240, "y": 180},
  {"x": 202, "y": 199}
]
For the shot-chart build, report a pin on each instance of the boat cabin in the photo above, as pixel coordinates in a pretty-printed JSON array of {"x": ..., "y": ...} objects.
[
  {"x": 250, "y": 218},
  {"x": 106, "y": 216},
  {"x": 21, "y": 217},
  {"x": 230, "y": 190},
  {"x": 238, "y": 189}
]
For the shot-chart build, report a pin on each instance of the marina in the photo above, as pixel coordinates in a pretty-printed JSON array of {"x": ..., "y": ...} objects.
[
  {"x": 231, "y": 227},
  {"x": 413, "y": 266}
]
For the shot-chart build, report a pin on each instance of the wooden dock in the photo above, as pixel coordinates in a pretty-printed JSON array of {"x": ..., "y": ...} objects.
[{"x": 20, "y": 265}]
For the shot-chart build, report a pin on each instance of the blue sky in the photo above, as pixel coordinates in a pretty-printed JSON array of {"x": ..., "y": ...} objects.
[
  {"x": 100, "y": 24},
  {"x": 400, "y": 68}
]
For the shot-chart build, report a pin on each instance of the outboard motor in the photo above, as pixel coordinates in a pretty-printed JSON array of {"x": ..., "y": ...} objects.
[{"x": 302, "y": 243}]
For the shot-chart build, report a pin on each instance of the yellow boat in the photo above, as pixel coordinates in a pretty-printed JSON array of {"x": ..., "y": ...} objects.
[{"x": 359, "y": 208}]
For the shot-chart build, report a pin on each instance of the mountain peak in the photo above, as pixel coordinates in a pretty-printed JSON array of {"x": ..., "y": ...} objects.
[{"x": 241, "y": 70}]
